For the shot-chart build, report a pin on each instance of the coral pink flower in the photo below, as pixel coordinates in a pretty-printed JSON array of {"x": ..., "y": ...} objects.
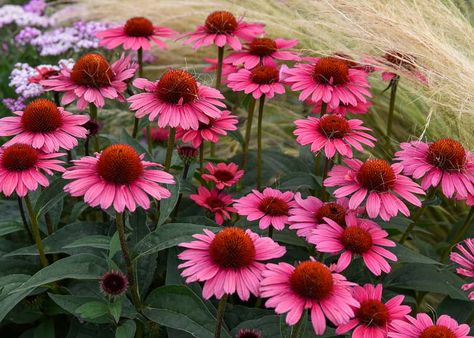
[
  {"x": 226, "y": 68},
  {"x": 44, "y": 73},
  {"x": 380, "y": 181},
  {"x": 177, "y": 99},
  {"x": 307, "y": 214},
  {"x": 372, "y": 316},
  {"x": 222, "y": 174},
  {"x": 218, "y": 203},
  {"x": 328, "y": 80},
  {"x": 311, "y": 285},
  {"x": 210, "y": 131},
  {"x": 465, "y": 258},
  {"x": 135, "y": 34},
  {"x": 262, "y": 80},
  {"x": 222, "y": 28},
  {"x": 359, "y": 237},
  {"x": 228, "y": 262},
  {"x": 344, "y": 109},
  {"x": 158, "y": 134},
  {"x": 445, "y": 161},
  {"x": 44, "y": 126},
  {"x": 92, "y": 80},
  {"x": 333, "y": 133},
  {"x": 423, "y": 327},
  {"x": 117, "y": 176},
  {"x": 22, "y": 168},
  {"x": 271, "y": 207},
  {"x": 263, "y": 51}
]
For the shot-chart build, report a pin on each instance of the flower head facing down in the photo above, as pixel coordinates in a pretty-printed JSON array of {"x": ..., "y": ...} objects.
[
  {"x": 261, "y": 80},
  {"x": 222, "y": 174},
  {"x": 136, "y": 33},
  {"x": 117, "y": 176},
  {"x": 465, "y": 258},
  {"x": 223, "y": 28},
  {"x": 271, "y": 207},
  {"x": 228, "y": 262},
  {"x": 218, "y": 203},
  {"x": 177, "y": 100},
  {"x": 373, "y": 317},
  {"x": 376, "y": 182},
  {"x": 22, "y": 168},
  {"x": 444, "y": 162},
  {"x": 361, "y": 237},
  {"x": 113, "y": 283},
  {"x": 422, "y": 326},
  {"x": 91, "y": 80},
  {"x": 263, "y": 51},
  {"x": 328, "y": 80},
  {"x": 307, "y": 214},
  {"x": 333, "y": 133},
  {"x": 187, "y": 154},
  {"x": 309, "y": 285},
  {"x": 210, "y": 131},
  {"x": 44, "y": 126}
]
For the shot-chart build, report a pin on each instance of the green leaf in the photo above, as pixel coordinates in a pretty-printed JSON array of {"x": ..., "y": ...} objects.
[
  {"x": 50, "y": 196},
  {"x": 178, "y": 307},
  {"x": 8, "y": 298},
  {"x": 126, "y": 138},
  {"x": 93, "y": 241},
  {"x": 115, "y": 309},
  {"x": 167, "y": 236},
  {"x": 428, "y": 278},
  {"x": 236, "y": 135},
  {"x": 406, "y": 255},
  {"x": 458, "y": 309},
  {"x": 10, "y": 227},
  {"x": 45, "y": 330},
  {"x": 167, "y": 205},
  {"x": 114, "y": 245},
  {"x": 126, "y": 330},
  {"x": 92, "y": 310}
]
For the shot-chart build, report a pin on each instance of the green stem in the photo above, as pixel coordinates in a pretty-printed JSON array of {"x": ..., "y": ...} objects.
[
  {"x": 170, "y": 148},
  {"x": 259, "y": 141},
  {"x": 391, "y": 108},
  {"x": 149, "y": 139},
  {"x": 36, "y": 232},
  {"x": 220, "y": 315},
  {"x": 23, "y": 218},
  {"x": 128, "y": 262},
  {"x": 324, "y": 108},
  {"x": 86, "y": 146},
  {"x": 248, "y": 131},
  {"x": 459, "y": 234},
  {"x": 220, "y": 58},
  {"x": 201, "y": 158},
  {"x": 295, "y": 332},
  {"x": 324, "y": 194},
  {"x": 212, "y": 149},
  {"x": 140, "y": 62},
  {"x": 93, "y": 115},
  {"x": 49, "y": 223},
  {"x": 416, "y": 217},
  {"x": 180, "y": 197},
  {"x": 135, "y": 128}
]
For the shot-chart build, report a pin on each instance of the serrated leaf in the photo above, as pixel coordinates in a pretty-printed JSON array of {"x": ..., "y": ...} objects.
[
  {"x": 92, "y": 310},
  {"x": 126, "y": 330},
  {"x": 167, "y": 205}
]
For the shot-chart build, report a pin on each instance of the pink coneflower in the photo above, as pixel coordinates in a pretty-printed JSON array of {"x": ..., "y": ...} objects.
[
  {"x": 262, "y": 80},
  {"x": 22, "y": 168},
  {"x": 222, "y": 28},
  {"x": 210, "y": 131},
  {"x": 263, "y": 51},
  {"x": 380, "y": 182},
  {"x": 136, "y": 33},
  {"x": 187, "y": 154},
  {"x": 373, "y": 317},
  {"x": 445, "y": 161},
  {"x": 226, "y": 68},
  {"x": 44, "y": 126},
  {"x": 113, "y": 283},
  {"x": 271, "y": 207},
  {"x": 117, "y": 176},
  {"x": 311, "y": 285},
  {"x": 423, "y": 327},
  {"x": 228, "y": 262},
  {"x": 465, "y": 258},
  {"x": 361, "y": 237},
  {"x": 344, "y": 109},
  {"x": 177, "y": 99},
  {"x": 307, "y": 214},
  {"x": 158, "y": 134},
  {"x": 333, "y": 133},
  {"x": 222, "y": 174},
  {"x": 249, "y": 333},
  {"x": 328, "y": 80},
  {"x": 92, "y": 80},
  {"x": 217, "y": 202}
]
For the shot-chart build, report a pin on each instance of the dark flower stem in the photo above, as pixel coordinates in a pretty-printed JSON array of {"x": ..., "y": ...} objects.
[
  {"x": 459, "y": 234},
  {"x": 86, "y": 146},
  {"x": 178, "y": 202},
  {"x": 391, "y": 108},
  {"x": 270, "y": 231},
  {"x": 119, "y": 221},
  {"x": 220, "y": 315},
  {"x": 140, "y": 61},
  {"x": 23, "y": 218},
  {"x": 36, "y": 231},
  {"x": 170, "y": 148},
  {"x": 149, "y": 139},
  {"x": 201, "y": 157},
  {"x": 217, "y": 85},
  {"x": 135, "y": 127},
  {"x": 324, "y": 195},
  {"x": 248, "y": 131},
  {"x": 416, "y": 217},
  {"x": 259, "y": 141},
  {"x": 93, "y": 115},
  {"x": 317, "y": 160}
]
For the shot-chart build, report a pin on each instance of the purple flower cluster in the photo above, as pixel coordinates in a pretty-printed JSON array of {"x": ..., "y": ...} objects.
[
  {"x": 35, "y": 6},
  {"x": 14, "y": 104},
  {"x": 26, "y": 35},
  {"x": 18, "y": 15}
]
